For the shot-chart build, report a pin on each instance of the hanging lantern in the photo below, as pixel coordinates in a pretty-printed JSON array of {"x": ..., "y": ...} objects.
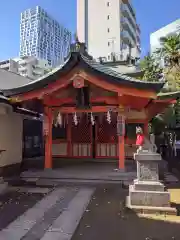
[
  {"x": 59, "y": 119},
  {"x": 92, "y": 119},
  {"x": 108, "y": 117},
  {"x": 75, "y": 119},
  {"x": 45, "y": 126},
  {"x": 120, "y": 125}
]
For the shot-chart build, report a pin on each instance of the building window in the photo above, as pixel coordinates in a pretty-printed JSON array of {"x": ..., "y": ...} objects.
[
  {"x": 108, "y": 30},
  {"x": 108, "y": 44},
  {"x": 108, "y": 17},
  {"x": 108, "y": 4}
]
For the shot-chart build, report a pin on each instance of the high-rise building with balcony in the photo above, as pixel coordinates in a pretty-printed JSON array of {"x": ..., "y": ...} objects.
[
  {"x": 170, "y": 29},
  {"x": 109, "y": 29},
  {"x": 43, "y": 37}
]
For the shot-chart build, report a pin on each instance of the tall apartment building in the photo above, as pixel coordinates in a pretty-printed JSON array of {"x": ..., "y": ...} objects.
[
  {"x": 109, "y": 29},
  {"x": 29, "y": 67},
  {"x": 170, "y": 29},
  {"x": 43, "y": 37}
]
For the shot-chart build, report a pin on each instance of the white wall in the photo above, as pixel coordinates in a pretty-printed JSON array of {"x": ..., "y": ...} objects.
[
  {"x": 163, "y": 32},
  {"x": 81, "y": 20},
  {"x": 11, "y": 129},
  {"x": 92, "y": 28},
  {"x": 98, "y": 24}
]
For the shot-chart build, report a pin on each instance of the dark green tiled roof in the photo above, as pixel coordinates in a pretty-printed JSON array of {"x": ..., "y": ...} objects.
[
  {"x": 81, "y": 59},
  {"x": 120, "y": 78},
  {"x": 169, "y": 95}
]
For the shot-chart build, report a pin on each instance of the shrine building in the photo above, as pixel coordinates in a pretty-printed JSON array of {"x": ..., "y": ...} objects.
[{"x": 89, "y": 110}]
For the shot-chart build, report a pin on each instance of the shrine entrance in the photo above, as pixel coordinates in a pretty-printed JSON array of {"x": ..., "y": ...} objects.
[
  {"x": 86, "y": 135},
  {"x": 93, "y": 106},
  {"x": 82, "y": 138}
]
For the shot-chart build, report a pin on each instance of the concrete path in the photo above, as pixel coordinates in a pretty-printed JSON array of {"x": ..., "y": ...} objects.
[
  {"x": 55, "y": 217},
  {"x": 85, "y": 172}
]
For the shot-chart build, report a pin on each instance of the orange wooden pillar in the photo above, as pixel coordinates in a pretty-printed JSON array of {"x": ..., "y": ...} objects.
[
  {"x": 48, "y": 137},
  {"x": 69, "y": 137},
  {"x": 121, "y": 152},
  {"x": 121, "y": 145}
]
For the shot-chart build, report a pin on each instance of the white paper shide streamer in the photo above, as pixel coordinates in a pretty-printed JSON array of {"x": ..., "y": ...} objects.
[
  {"x": 92, "y": 119},
  {"x": 59, "y": 119},
  {"x": 75, "y": 119},
  {"x": 108, "y": 117}
]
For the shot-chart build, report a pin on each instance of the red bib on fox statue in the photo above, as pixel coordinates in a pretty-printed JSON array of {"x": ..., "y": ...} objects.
[{"x": 139, "y": 137}]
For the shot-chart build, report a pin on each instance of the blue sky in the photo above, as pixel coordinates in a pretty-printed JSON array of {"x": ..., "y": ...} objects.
[{"x": 151, "y": 15}]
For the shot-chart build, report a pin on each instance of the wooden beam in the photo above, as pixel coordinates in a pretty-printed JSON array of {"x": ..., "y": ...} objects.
[
  {"x": 121, "y": 90},
  {"x": 60, "y": 101},
  {"x": 98, "y": 81},
  {"x": 94, "y": 109}
]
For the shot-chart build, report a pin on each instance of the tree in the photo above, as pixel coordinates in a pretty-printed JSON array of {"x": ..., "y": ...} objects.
[
  {"x": 151, "y": 68},
  {"x": 170, "y": 51}
]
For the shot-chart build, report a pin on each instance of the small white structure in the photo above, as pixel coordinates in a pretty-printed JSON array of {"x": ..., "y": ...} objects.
[
  {"x": 11, "y": 135},
  {"x": 27, "y": 66},
  {"x": 170, "y": 29}
]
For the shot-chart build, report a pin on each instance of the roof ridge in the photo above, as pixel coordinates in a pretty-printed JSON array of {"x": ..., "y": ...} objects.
[{"x": 115, "y": 73}]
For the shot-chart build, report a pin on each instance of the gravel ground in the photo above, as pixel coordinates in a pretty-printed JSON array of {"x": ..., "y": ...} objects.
[
  {"x": 13, "y": 204},
  {"x": 107, "y": 219}
]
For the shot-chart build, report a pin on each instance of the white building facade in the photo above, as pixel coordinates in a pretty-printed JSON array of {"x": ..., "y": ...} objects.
[
  {"x": 109, "y": 29},
  {"x": 43, "y": 37},
  {"x": 29, "y": 67},
  {"x": 170, "y": 29}
]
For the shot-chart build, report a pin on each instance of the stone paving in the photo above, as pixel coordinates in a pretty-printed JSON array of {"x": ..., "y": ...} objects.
[{"x": 56, "y": 216}]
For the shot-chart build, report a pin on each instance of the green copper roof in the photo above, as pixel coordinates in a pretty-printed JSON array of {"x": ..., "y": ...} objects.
[
  {"x": 79, "y": 57},
  {"x": 168, "y": 95}
]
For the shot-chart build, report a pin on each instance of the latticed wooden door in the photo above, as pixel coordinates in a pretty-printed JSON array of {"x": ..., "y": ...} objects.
[
  {"x": 106, "y": 138},
  {"x": 81, "y": 135}
]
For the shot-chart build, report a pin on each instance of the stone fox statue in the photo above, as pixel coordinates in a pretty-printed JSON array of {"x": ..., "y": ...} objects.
[{"x": 140, "y": 140}]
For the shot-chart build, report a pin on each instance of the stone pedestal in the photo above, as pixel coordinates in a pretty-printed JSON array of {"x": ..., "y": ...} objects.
[{"x": 148, "y": 194}]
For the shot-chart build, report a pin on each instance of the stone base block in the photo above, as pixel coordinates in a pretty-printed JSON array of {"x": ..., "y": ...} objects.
[
  {"x": 147, "y": 156},
  {"x": 148, "y": 186},
  {"x": 149, "y": 198},
  {"x": 151, "y": 210}
]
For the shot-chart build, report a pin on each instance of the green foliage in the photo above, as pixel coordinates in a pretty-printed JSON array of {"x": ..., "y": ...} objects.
[
  {"x": 152, "y": 71},
  {"x": 170, "y": 50},
  {"x": 172, "y": 76}
]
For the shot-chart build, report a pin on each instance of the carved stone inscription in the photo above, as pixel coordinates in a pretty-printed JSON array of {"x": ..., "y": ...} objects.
[{"x": 147, "y": 171}]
